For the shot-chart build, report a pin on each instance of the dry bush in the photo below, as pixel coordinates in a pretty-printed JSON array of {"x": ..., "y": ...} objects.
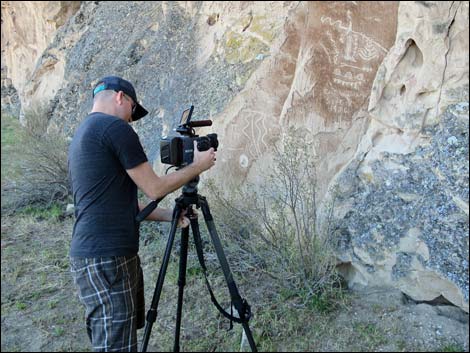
[
  {"x": 277, "y": 221},
  {"x": 42, "y": 162}
]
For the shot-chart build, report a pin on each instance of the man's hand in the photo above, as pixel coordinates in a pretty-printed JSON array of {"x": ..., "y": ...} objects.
[
  {"x": 184, "y": 221},
  {"x": 204, "y": 160}
]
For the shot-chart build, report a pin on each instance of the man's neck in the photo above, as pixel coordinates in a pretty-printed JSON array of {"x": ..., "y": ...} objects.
[{"x": 105, "y": 109}]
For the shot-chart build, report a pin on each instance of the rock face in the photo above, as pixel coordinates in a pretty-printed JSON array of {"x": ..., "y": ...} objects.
[
  {"x": 321, "y": 72},
  {"x": 380, "y": 88},
  {"x": 402, "y": 217},
  {"x": 28, "y": 27},
  {"x": 403, "y": 198}
]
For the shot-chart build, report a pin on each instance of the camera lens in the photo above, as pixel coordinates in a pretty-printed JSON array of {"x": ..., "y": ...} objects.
[
  {"x": 213, "y": 141},
  {"x": 203, "y": 143},
  {"x": 206, "y": 142}
]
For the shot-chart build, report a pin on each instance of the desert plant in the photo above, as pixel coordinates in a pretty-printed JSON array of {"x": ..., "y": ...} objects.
[
  {"x": 277, "y": 220},
  {"x": 42, "y": 161}
]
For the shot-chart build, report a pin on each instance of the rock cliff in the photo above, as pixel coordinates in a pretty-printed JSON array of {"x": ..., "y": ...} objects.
[{"x": 380, "y": 88}]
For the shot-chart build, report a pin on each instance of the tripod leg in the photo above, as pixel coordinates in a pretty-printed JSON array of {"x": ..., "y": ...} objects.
[
  {"x": 152, "y": 313},
  {"x": 181, "y": 284},
  {"x": 232, "y": 287}
]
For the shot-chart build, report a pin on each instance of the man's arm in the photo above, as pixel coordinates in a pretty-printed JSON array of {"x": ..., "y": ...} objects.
[
  {"x": 158, "y": 214},
  {"x": 156, "y": 187},
  {"x": 166, "y": 215}
]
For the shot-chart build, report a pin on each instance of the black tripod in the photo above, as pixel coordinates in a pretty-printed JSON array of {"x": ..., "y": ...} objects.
[{"x": 188, "y": 198}]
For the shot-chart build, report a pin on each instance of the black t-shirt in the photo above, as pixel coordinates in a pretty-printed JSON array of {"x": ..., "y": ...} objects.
[{"x": 104, "y": 195}]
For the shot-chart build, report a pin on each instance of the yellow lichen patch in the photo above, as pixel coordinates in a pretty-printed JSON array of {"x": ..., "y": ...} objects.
[
  {"x": 234, "y": 40},
  {"x": 259, "y": 26},
  {"x": 243, "y": 48}
]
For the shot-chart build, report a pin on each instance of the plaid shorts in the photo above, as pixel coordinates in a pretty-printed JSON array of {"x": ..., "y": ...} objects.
[{"x": 112, "y": 290}]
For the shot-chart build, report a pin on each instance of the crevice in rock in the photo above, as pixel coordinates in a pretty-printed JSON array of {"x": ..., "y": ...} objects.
[
  {"x": 438, "y": 301},
  {"x": 446, "y": 53}
]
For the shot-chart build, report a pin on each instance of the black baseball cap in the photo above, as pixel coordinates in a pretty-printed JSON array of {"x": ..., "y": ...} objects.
[{"x": 119, "y": 84}]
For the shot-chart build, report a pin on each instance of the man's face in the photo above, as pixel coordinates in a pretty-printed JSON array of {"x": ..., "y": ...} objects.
[{"x": 130, "y": 106}]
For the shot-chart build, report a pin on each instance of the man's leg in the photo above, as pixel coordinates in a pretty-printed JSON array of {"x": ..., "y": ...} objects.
[{"x": 108, "y": 289}]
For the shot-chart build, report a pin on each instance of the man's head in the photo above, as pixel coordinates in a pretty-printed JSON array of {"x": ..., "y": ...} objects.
[{"x": 116, "y": 96}]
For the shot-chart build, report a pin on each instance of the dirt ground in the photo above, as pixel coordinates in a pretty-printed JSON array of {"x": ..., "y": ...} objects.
[
  {"x": 384, "y": 315},
  {"x": 40, "y": 310}
]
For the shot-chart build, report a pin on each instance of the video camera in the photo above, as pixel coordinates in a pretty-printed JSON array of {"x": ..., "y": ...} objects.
[{"x": 179, "y": 151}]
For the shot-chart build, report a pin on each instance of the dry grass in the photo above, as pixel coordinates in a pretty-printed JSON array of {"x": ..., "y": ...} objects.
[{"x": 40, "y": 309}]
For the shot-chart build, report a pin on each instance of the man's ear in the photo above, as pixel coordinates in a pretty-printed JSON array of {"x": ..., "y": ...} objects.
[{"x": 119, "y": 97}]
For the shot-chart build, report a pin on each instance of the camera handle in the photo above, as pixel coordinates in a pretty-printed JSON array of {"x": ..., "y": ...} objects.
[{"x": 185, "y": 202}]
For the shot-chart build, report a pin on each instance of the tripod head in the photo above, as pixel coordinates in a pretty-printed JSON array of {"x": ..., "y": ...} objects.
[{"x": 190, "y": 189}]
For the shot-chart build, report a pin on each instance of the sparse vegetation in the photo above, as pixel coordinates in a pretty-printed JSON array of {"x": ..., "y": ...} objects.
[
  {"x": 11, "y": 142},
  {"x": 451, "y": 348},
  {"x": 276, "y": 224},
  {"x": 39, "y": 177}
]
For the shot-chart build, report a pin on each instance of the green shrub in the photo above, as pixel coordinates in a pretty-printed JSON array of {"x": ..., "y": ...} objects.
[{"x": 54, "y": 211}]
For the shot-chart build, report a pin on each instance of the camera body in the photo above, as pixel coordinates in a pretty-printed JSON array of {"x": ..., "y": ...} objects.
[{"x": 179, "y": 150}]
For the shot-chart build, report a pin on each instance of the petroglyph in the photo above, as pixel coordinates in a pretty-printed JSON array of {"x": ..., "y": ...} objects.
[
  {"x": 370, "y": 50},
  {"x": 244, "y": 161},
  {"x": 341, "y": 48},
  {"x": 348, "y": 50},
  {"x": 318, "y": 79},
  {"x": 252, "y": 129}
]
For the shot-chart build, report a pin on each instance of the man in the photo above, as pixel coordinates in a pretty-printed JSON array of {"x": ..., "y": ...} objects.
[{"x": 106, "y": 166}]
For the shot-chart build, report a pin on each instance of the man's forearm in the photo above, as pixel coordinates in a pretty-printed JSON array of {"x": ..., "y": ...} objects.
[
  {"x": 171, "y": 182},
  {"x": 156, "y": 187},
  {"x": 158, "y": 214}
]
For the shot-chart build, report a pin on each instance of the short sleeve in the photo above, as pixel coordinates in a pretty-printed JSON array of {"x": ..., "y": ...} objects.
[{"x": 125, "y": 143}]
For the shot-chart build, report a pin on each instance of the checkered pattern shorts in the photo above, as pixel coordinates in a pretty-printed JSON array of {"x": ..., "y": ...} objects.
[{"x": 112, "y": 290}]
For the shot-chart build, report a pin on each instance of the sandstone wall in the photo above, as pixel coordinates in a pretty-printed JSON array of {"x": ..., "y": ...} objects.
[
  {"x": 403, "y": 210},
  {"x": 28, "y": 27}
]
